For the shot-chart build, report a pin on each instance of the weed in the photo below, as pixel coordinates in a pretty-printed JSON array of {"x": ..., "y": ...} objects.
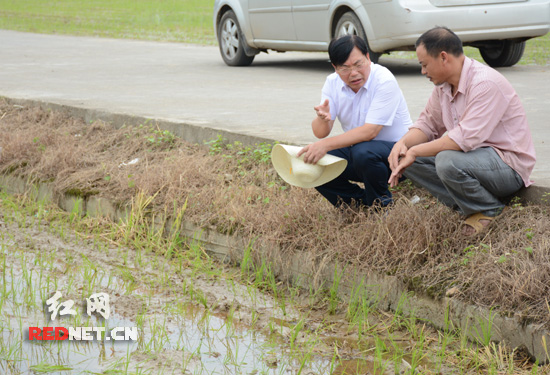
[
  {"x": 216, "y": 146},
  {"x": 163, "y": 138},
  {"x": 246, "y": 156}
]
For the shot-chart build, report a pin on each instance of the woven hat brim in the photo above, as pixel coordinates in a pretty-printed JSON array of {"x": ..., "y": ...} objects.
[{"x": 281, "y": 156}]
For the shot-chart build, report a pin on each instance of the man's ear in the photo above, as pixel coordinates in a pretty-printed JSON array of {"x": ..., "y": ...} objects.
[{"x": 444, "y": 56}]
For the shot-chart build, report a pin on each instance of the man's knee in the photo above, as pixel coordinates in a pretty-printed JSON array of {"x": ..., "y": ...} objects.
[
  {"x": 446, "y": 164},
  {"x": 340, "y": 152},
  {"x": 369, "y": 154}
]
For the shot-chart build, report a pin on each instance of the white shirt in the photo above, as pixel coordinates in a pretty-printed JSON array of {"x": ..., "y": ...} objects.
[{"x": 379, "y": 102}]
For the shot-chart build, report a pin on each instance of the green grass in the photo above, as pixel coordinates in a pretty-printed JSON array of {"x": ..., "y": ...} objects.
[{"x": 187, "y": 21}]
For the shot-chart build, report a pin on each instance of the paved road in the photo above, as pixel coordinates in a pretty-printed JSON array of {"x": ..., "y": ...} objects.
[{"x": 189, "y": 84}]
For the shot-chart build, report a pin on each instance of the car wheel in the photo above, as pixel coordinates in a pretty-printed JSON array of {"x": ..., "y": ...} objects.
[
  {"x": 232, "y": 42},
  {"x": 502, "y": 53},
  {"x": 349, "y": 24}
]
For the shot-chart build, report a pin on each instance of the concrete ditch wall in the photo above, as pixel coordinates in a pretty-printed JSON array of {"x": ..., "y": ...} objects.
[{"x": 389, "y": 291}]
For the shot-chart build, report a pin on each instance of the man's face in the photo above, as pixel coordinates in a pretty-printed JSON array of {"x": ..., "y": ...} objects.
[
  {"x": 355, "y": 71},
  {"x": 432, "y": 67}
]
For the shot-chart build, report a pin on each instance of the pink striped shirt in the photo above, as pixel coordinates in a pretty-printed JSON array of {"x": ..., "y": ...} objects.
[{"x": 484, "y": 112}]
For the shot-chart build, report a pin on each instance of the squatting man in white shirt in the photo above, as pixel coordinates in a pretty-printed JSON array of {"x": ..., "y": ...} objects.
[{"x": 370, "y": 106}]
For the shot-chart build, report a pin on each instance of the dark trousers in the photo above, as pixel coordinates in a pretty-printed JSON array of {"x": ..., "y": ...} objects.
[{"x": 367, "y": 163}]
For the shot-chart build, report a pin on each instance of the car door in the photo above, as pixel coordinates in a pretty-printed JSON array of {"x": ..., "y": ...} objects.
[
  {"x": 271, "y": 19},
  {"x": 311, "y": 20}
]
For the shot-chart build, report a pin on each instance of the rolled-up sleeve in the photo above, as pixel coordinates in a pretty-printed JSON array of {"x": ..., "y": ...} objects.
[{"x": 430, "y": 121}]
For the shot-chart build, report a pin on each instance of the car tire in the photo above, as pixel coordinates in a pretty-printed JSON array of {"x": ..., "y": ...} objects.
[
  {"x": 349, "y": 24},
  {"x": 231, "y": 41},
  {"x": 502, "y": 53}
]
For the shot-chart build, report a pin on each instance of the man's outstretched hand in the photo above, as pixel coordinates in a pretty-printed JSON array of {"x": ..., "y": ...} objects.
[{"x": 323, "y": 111}]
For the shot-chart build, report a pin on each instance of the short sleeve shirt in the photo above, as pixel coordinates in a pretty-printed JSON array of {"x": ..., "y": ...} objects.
[{"x": 380, "y": 102}]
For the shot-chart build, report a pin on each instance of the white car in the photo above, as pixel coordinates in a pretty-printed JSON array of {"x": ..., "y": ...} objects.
[{"x": 499, "y": 28}]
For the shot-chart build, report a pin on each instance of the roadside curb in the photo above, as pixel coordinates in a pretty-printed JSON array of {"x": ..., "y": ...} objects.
[{"x": 304, "y": 270}]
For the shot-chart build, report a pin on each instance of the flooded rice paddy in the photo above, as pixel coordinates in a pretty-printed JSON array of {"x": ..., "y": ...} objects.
[{"x": 190, "y": 314}]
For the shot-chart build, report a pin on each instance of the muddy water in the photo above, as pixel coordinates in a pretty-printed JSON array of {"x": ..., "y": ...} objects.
[{"x": 194, "y": 341}]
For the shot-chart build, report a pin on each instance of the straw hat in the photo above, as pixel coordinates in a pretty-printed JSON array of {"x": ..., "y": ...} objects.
[{"x": 293, "y": 170}]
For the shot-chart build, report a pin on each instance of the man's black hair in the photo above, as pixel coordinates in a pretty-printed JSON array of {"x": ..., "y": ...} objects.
[
  {"x": 440, "y": 39},
  {"x": 340, "y": 49}
]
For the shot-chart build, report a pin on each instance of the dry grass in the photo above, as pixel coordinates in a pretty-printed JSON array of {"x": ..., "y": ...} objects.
[{"x": 507, "y": 268}]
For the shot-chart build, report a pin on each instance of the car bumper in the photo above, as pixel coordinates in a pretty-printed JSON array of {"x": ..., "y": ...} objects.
[{"x": 471, "y": 23}]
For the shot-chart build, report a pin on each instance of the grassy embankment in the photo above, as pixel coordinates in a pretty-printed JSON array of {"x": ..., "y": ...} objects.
[{"x": 188, "y": 21}]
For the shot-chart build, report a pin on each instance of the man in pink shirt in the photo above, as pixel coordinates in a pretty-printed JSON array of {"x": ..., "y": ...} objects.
[{"x": 471, "y": 146}]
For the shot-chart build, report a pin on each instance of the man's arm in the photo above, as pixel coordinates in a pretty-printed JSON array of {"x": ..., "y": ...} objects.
[
  {"x": 428, "y": 128},
  {"x": 322, "y": 126},
  {"x": 485, "y": 109},
  {"x": 434, "y": 147},
  {"x": 315, "y": 151},
  {"x": 412, "y": 138},
  {"x": 421, "y": 149}
]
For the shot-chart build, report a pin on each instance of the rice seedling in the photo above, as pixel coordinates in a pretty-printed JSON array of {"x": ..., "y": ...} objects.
[
  {"x": 485, "y": 332},
  {"x": 295, "y": 333},
  {"x": 380, "y": 364},
  {"x": 334, "y": 299},
  {"x": 44, "y": 367}
]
